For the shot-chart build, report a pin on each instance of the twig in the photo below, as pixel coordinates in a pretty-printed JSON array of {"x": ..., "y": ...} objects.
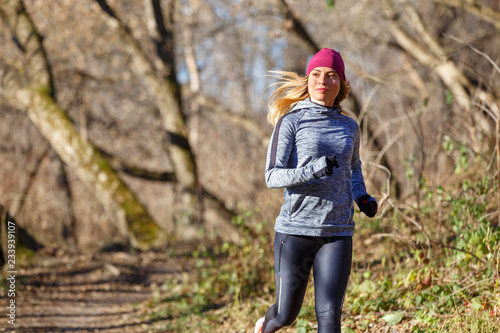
[
  {"x": 475, "y": 50},
  {"x": 457, "y": 249},
  {"x": 388, "y": 181},
  {"x": 486, "y": 110},
  {"x": 387, "y": 146},
  {"x": 488, "y": 215},
  {"x": 397, "y": 237},
  {"x": 418, "y": 225},
  {"x": 263, "y": 301},
  {"x": 31, "y": 176},
  {"x": 466, "y": 287}
]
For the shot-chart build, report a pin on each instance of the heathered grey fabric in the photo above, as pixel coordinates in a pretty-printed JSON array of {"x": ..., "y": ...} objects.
[{"x": 300, "y": 143}]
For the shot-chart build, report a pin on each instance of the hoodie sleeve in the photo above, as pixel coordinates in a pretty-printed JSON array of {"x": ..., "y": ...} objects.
[
  {"x": 358, "y": 182},
  {"x": 278, "y": 171}
]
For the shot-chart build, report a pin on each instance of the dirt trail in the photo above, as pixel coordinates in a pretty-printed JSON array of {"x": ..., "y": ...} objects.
[{"x": 77, "y": 293}]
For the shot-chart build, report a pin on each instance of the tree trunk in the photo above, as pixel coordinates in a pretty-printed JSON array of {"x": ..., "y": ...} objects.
[
  {"x": 93, "y": 169},
  {"x": 166, "y": 91},
  {"x": 34, "y": 92}
]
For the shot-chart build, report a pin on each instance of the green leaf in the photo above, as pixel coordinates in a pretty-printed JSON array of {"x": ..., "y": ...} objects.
[
  {"x": 449, "y": 97},
  {"x": 301, "y": 330},
  {"x": 367, "y": 286},
  {"x": 476, "y": 303},
  {"x": 393, "y": 318},
  {"x": 301, "y": 326},
  {"x": 330, "y": 4},
  {"x": 347, "y": 330}
]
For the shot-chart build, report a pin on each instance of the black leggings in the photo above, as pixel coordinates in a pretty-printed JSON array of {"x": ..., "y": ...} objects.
[{"x": 294, "y": 256}]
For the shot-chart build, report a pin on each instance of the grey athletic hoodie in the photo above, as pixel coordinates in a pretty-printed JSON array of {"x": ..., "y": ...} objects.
[{"x": 296, "y": 157}]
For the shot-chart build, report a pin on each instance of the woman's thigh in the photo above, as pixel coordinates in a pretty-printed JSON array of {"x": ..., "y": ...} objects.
[
  {"x": 293, "y": 259},
  {"x": 332, "y": 267}
]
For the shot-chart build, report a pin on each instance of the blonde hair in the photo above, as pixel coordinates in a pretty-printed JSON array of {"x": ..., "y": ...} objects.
[{"x": 292, "y": 89}]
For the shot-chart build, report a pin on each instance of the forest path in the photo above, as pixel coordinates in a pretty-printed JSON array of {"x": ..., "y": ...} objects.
[{"x": 105, "y": 292}]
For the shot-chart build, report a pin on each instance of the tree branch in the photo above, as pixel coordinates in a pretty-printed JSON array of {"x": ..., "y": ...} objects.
[
  {"x": 242, "y": 121},
  {"x": 297, "y": 27},
  {"x": 458, "y": 84},
  {"x": 485, "y": 13},
  {"x": 136, "y": 171}
]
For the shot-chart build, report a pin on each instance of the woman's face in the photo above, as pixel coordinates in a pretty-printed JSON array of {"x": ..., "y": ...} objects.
[{"x": 323, "y": 86}]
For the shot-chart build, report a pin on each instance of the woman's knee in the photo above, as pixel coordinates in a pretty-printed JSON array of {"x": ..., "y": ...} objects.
[
  {"x": 286, "y": 320},
  {"x": 275, "y": 321},
  {"x": 328, "y": 317}
]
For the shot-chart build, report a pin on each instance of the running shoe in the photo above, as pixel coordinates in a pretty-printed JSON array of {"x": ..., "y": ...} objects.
[{"x": 258, "y": 325}]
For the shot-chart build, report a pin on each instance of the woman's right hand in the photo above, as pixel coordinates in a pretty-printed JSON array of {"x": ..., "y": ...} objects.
[{"x": 331, "y": 162}]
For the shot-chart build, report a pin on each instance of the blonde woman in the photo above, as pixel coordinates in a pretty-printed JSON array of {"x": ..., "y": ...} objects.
[{"x": 314, "y": 155}]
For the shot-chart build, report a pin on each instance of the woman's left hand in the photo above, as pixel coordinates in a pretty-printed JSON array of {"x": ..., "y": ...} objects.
[{"x": 367, "y": 206}]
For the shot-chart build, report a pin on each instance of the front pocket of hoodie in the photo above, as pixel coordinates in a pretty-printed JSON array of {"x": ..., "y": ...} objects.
[
  {"x": 303, "y": 199},
  {"x": 307, "y": 207}
]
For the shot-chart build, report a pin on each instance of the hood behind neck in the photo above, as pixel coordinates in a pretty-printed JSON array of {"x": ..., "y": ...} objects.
[{"x": 307, "y": 104}]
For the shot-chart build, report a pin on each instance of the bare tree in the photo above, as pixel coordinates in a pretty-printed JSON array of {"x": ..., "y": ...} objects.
[{"x": 31, "y": 86}]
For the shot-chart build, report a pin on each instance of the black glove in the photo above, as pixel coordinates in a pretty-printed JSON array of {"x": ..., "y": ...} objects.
[
  {"x": 368, "y": 207},
  {"x": 331, "y": 162}
]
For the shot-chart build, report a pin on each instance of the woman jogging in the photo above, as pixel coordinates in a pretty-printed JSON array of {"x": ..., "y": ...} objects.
[{"x": 314, "y": 155}]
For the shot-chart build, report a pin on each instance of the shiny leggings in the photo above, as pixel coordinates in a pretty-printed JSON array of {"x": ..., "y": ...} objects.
[{"x": 294, "y": 257}]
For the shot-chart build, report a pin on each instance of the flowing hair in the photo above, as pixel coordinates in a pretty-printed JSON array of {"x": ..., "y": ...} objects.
[{"x": 292, "y": 89}]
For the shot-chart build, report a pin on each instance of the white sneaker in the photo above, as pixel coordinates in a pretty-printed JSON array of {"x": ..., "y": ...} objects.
[{"x": 258, "y": 325}]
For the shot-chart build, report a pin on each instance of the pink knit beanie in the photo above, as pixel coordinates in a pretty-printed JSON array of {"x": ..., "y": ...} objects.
[{"x": 327, "y": 58}]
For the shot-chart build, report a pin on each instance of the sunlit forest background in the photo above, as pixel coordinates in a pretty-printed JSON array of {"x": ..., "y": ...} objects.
[{"x": 140, "y": 124}]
